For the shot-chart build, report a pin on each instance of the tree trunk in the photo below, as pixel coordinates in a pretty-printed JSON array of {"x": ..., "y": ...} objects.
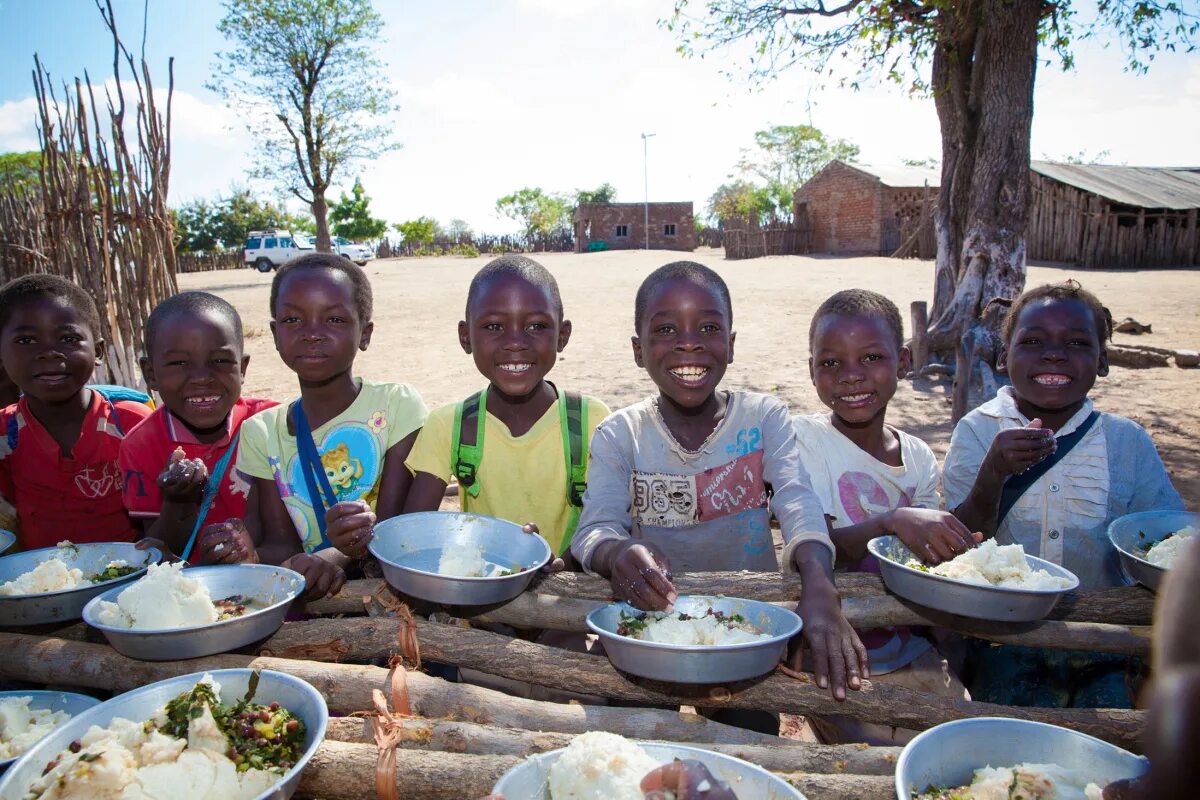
[
  {"x": 320, "y": 212},
  {"x": 983, "y": 75}
]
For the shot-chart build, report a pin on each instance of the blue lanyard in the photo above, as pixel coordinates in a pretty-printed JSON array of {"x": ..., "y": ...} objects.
[
  {"x": 210, "y": 492},
  {"x": 319, "y": 490}
]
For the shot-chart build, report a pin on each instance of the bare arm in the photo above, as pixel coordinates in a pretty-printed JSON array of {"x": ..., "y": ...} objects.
[
  {"x": 426, "y": 493},
  {"x": 269, "y": 524},
  {"x": 397, "y": 481}
]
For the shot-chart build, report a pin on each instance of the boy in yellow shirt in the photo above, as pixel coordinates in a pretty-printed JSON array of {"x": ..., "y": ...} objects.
[{"x": 519, "y": 447}]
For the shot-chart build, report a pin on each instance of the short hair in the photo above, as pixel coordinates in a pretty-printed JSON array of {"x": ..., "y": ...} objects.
[
  {"x": 363, "y": 298},
  {"x": 859, "y": 303},
  {"x": 680, "y": 270},
  {"x": 48, "y": 287},
  {"x": 516, "y": 266},
  {"x": 194, "y": 303},
  {"x": 1067, "y": 290}
]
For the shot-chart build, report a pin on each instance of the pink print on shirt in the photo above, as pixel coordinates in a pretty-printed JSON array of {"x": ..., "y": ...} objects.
[
  {"x": 862, "y": 497},
  {"x": 665, "y": 500}
]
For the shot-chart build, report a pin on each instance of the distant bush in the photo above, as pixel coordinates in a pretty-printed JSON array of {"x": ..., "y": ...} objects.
[{"x": 465, "y": 250}]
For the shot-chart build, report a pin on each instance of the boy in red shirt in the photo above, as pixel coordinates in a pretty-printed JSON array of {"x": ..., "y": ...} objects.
[
  {"x": 59, "y": 443},
  {"x": 178, "y": 463}
]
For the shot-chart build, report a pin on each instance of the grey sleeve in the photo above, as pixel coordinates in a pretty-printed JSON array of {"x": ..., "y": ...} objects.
[
  {"x": 963, "y": 461},
  {"x": 606, "y": 502},
  {"x": 1152, "y": 490},
  {"x": 794, "y": 503}
]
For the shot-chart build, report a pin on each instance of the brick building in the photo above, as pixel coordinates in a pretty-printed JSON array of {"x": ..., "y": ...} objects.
[
  {"x": 861, "y": 209},
  {"x": 621, "y": 226}
]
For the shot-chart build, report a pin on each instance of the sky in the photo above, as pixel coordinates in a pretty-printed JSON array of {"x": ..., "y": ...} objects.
[{"x": 495, "y": 95}]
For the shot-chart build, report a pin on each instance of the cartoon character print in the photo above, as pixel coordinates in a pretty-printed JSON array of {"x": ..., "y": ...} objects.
[{"x": 342, "y": 471}]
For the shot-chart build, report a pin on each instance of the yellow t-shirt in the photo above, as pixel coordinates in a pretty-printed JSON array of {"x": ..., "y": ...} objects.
[{"x": 521, "y": 478}]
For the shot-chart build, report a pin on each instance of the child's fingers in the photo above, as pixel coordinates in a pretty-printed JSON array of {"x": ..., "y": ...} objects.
[
  {"x": 660, "y": 584},
  {"x": 959, "y": 529},
  {"x": 853, "y": 665},
  {"x": 555, "y": 564},
  {"x": 837, "y": 665},
  {"x": 820, "y": 659},
  {"x": 530, "y": 527}
]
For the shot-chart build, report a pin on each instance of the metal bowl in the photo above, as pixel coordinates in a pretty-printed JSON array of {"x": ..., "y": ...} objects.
[
  {"x": 67, "y": 605},
  {"x": 295, "y": 695},
  {"x": 1128, "y": 532},
  {"x": 530, "y": 780},
  {"x": 409, "y": 547},
  {"x": 949, "y": 754},
  {"x": 274, "y": 588},
  {"x": 1001, "y": 604},
  {"x": 673, "y": 663},
  {"x": 7, "y": 540},
  {"x": 73, "y": 704}
]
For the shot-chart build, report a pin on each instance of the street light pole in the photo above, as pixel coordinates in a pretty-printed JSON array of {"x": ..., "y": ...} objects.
[{"x": 646, "y": 180}]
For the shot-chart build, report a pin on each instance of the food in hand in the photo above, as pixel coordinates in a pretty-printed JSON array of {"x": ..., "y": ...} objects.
[
  {"x": 711, "y": 628},
  {"x": 21, "y": 727},
  {"x": 991, "y": 564}
]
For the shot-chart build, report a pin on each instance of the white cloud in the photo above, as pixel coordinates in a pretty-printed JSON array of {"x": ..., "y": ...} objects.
[{"x": 17, "y": 125}]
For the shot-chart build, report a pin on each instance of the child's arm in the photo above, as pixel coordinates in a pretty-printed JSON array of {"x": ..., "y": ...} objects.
[
  {"x": 932, "y": 535},
  {"x": 271, "y": 528},
  {"x": 839, "y": 658},
  {"x": 430, "y": 462},
  {"x": 181, "y": 484},
  {"x": 426, "y": 493},
  {"x": 397, "y": 481},
  {"x": 1011, "y": 452}
]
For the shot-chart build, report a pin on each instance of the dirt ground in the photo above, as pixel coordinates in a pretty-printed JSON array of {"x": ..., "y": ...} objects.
[{"x": 418, "y": 303}]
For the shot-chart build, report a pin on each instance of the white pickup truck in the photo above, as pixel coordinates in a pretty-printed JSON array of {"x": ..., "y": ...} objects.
[{"x": 266, "y": 250}]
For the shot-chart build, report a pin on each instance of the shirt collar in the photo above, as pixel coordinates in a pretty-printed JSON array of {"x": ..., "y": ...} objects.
[
  {"x": 179, "y": 433},
  {"x": 1004, "y": 406}
]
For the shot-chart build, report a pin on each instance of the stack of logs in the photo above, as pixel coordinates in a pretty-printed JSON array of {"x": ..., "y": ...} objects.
[{"x": 461, "y": 738}]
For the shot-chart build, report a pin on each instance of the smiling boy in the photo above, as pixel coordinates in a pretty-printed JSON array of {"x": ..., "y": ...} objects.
[
  {"x": 59, "y": 443},
  {"x": 194, "y": 360}
]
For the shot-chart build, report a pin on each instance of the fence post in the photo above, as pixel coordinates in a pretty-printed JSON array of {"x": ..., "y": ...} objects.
[{"x": 918, "y": 313}]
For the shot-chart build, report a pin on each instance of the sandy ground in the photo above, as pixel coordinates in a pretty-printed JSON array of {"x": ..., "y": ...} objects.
[{"x": 418, "y": 303}]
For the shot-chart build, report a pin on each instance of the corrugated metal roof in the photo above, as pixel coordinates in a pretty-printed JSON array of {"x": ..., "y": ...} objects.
[
  {"x": 901, "y": 177},
  {"x": 1147, "y": 187}
]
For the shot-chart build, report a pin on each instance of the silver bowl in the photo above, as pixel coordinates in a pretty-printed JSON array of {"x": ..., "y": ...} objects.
[
  {"x": 530, "y": 779},
  {"x": 1001, "y": 604},
  {"x": 1130, "y": 532},
  {"x": 7, "y": 540},
  {"x": 698, "y": 663},
  {"x": 73, "y": 704},
  {"x": 409, "y": 547},
  {"x": 295, "y": 695},
  {"x": 949, "y": 754},
  {"x": 67, "y": 605},
  {"x": 270, "y": 588}
]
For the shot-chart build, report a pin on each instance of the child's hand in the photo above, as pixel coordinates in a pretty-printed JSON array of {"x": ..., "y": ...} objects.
[
  {"x": 933, "y": 536},
  {"x": 321, "y": 578},
  {"x": 839, "y": 658},
  {"x": 685, "y": 780},
  {"x": 1017, "y": 449},
  {"x": 183, "y": 479},
  {"x": 225, "y": 542},
  {"x": 555, "y": 564},
  {"x": 146, "y": 542},
  {"x": 641, "y": 575},
  {"x": 350, "y": 525}
]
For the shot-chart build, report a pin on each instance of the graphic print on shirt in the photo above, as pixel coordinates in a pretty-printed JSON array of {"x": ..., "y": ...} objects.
[
  {"x": 666, "y": 500},
  {"x": 96, "y": 482},
  {"x": 863, "y": 497}
]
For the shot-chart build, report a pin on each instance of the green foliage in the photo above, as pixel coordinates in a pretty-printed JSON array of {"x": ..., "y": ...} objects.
[
  {"x": 537, "y": 212},
  {"x": 788, "y": 155},
  {"x": 926, "y": 163},
  {"x": 604, "y": 193},
  {"x": 741, "y": 200},
  {"x": 202, "y": 226},
  {"x": 351, "y": 216},
  {"x": 419, "y": 230},
  {"x": 20, "y": 173},
  {"x": 459, "y": 229},
  {"x": 465, "y": 250}
]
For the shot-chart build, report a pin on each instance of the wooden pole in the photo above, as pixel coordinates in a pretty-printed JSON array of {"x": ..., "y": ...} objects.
[{"x": 918, "y": 313}]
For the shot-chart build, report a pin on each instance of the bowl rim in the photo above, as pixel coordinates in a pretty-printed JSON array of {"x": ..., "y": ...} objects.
[
  {"x": 35, "y": 694},
  {"x": 7, "y": 540},
  {"x": 153, "y": 556},
  {"x": 1039, "y": 563},
  {"x": 794, "y": 620},
  {"x": 89, "y": 610},
  {"x": 549, "y": 553},
  {"x": 1139, "y": 514},
  {"x": 906, "y": 753}
]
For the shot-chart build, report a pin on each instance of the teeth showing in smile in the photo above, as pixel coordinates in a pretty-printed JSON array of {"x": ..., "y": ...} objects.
[
  {"x": 855, "y": 398},
  {"x": 516, "y": 368},
  {"x": 1051, "y": 380},
  {"x": 689, "y": 373},
  {"x": 203, "y": 401}
]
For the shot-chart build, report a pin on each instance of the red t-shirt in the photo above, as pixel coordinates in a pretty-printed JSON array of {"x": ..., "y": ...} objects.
[
  {"x": 59, "y": 497},
  {"x": 148, "y": 447}
]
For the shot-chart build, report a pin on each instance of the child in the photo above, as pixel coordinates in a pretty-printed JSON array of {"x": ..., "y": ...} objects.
[
  {"x": 873, "y": 480},
  {"x": 1039, "y": 467},
  {"x": 680, "y": 481},
  {"x": 59, "y": 443},
  {"x": 194, "y": 360},
  {"x": 326, "y": 464},
  {"x": 535, "y": 434}
]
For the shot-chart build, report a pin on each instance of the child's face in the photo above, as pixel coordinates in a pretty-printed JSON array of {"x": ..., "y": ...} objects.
[
  {"x": 49, "y": 350},
  {"x": 316, "y": 326},
  {"x": 514, "y": 334},
  {"x": 197, "y": 367},
  {"x": 686, "y": 341},
  {"x": 855, "y": 365},
  {"x": 1054, "y": 355}
]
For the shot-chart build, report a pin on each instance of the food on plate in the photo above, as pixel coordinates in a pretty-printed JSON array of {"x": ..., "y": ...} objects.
[
  {"x": 115, "y": 569},
  {"x": 468, "y": 562},
  {"x": 195, "y": 747},
  {"x": 1025, "y": 781},
  {"x": 600, "y": 766},
  {"x": 53, "y": 574},
  {"x": 167, "y": 598},
  {"x": 992, "y": 564},
  {"x": 710, "y": 628},
  {"x": 1164, "y": 552},
  {"x": 21, "y": 727}
]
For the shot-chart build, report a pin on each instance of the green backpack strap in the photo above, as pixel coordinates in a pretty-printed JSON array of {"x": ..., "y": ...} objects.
[
  {"x": 467, "y": 446},
  {"x": 572, "y": 418}
]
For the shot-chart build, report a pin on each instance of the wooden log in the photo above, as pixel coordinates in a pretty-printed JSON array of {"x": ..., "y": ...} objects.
[
  {"x": 569, "y": 671},
  {"x": 786, "y": 755},
  {"x": 348, "y": 688}
]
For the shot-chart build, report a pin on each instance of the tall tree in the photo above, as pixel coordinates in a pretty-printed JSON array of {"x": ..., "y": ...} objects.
[
  {"x": 741, "y": 200},
  {"x": 791, "y": 154},
  {"x": 21, "y": 173},
  {"x": 604, "y": 193},
  {"x": 539, "y": 213},
  {"x": 982, "y": 56},
  {"x": 459, "y": 229},
  {"x": 419, "y": 230},
  {"x": 204, "y": 226},
  {"x": 303, "y": 75},
  {"x": 351, "y": 216}
]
